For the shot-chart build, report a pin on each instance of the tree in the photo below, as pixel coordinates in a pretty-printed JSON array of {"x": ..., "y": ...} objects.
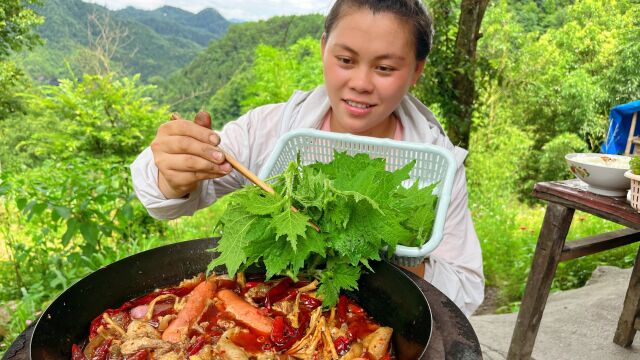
[
  {"x": 449, "y": 82},
  {"x": 17, "y": 21},
  {"x": 464, "y": 61},
  {"x": 106, "y": 38}
]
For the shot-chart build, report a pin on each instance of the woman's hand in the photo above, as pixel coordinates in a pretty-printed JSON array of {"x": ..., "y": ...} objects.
[{"x": 185, "y": 153}]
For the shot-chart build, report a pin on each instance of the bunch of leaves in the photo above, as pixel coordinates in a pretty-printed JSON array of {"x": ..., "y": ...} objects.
[
  {"x": 359, "y": 207},
  {"x": 634, "y": 164}
]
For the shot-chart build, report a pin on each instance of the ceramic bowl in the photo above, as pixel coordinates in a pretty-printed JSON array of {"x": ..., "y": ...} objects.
[{"x": 603, "y": 173}]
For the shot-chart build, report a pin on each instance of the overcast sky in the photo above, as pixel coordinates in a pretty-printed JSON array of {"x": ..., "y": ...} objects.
[{"x": 230, "y": 9}]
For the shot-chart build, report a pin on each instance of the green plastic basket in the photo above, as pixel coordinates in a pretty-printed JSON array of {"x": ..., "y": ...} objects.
[{"x": 433, "y": 164}]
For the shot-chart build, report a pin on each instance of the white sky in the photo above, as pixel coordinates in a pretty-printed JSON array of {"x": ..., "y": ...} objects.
[{"x": 230, "y": 9}]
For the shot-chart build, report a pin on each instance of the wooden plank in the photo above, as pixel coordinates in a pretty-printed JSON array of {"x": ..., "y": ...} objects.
[
  {"x": 557, "y": 220},
  {"x": 626, "y": 330},
  {"x": 594, "y": 244},
  {"x": 573, "y": 194},
  {"x": 632, "y": 131}
]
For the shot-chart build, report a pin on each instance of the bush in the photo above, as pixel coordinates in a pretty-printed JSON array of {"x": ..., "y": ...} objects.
[{"x": 549, "y": 164}]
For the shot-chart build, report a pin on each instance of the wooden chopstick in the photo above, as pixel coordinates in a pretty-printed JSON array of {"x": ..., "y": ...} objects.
[{"x": 247, "y": 173}]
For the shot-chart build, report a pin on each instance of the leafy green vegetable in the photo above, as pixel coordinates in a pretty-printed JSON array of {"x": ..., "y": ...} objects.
[
  {"x": 634, "y": 164},
  {"x": 358, "y": 205}
]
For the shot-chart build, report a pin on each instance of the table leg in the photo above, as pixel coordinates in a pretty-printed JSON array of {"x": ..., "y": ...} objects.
[
  {"x": 626, "y": 330},
  {"x": 557, "y": 220}
]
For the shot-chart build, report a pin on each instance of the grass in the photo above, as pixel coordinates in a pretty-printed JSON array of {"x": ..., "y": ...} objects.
[{"x": 509, "y": 235}]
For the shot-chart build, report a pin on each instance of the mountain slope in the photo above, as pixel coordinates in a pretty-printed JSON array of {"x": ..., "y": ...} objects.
[
  {"x": 148, "y": 42},
  {"x": 190, "y": 88},
  {"x": 199, "y": 28}
]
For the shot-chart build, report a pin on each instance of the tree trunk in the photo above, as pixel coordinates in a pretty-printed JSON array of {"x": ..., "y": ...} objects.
[{"x": 464, "y": 61}]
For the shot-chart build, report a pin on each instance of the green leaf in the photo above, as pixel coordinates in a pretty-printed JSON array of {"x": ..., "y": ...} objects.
[
  {"x": 21, "y": 203},
  {"x": 290, "y": 224},
  {"x": 265, "y": 204},
  {"x": 63, "y": 211},
  {"x": 89, "y": 231},
  {"x": 338, "y": 276},
  {"x": 72, "y": 228},
  {"x": 237, "y": 224}
]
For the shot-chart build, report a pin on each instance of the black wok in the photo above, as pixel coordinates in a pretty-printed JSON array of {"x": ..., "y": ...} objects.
[{"x": 387, "y": 294}]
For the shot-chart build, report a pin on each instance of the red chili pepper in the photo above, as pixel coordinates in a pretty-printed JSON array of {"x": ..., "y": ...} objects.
[
  {"x": 341, "y": 309},
  {"x": 386, "y": 357},
  {"x": 341, "y": 344},
  {"x": 99, "y": 321},
  {"x": 309, "y": 302},
  {"x": 102, "y": 351},
  {"x": 284, "y": 335},
  {"x": 197, "y": 345},
  {"x": 140, "y": 355},
  {"x": 145, "y": 299},
  {"x": 277, "y": 292},
  {"x": 355, "y": 309},
  {"x": 76, "y": 353},
  {"x": 277, "y": 331},
  {"x": 251, "y": 284}
]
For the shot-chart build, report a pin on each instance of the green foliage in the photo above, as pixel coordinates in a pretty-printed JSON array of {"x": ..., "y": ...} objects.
[
  {"x": 12, "y": 81},
  {"x": 277, "y": 73},
  {"x": 274, "y": 75},
  {"x": 98, "y": 116},
  {"x": 68, "y": 205},
  {"x": 17, "y": 20},
  {"x": 359, "y": 207},
  {"x": 190, "y": 89},
  {"x": 548, "y": 163},
  {"x": 560, "y": 81}
]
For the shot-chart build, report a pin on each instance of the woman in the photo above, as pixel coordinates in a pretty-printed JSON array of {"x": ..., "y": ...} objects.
[{"x": 373, "y": 51}]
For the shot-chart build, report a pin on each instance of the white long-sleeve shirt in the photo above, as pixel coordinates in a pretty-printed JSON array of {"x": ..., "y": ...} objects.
[{"x": 454, "y": 267}]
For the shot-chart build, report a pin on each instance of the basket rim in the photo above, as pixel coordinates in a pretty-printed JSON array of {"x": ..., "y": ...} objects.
[{"x": 630, "y": 175}]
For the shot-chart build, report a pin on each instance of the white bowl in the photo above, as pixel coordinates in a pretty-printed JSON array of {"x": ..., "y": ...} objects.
[{"x": 603, "y": 173}]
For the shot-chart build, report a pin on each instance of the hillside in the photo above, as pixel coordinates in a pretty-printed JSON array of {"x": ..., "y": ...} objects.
[
  {"x": 190, "y": 88},
  {"x": 148, "y": 42}
]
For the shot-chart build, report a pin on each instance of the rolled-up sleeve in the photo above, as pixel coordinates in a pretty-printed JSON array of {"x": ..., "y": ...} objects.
[
  {"x": 249, "y": 139},
  {"x": 144, "y": 175}
]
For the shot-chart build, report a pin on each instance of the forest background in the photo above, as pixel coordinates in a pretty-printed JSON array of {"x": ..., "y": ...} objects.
[{"x": 82, "y": 90}]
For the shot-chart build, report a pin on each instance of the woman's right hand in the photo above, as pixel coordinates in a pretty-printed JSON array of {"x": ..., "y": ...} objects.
[{"x": 186, "y": 153}]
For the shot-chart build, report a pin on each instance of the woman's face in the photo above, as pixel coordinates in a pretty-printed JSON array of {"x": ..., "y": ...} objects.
[{"x": 369, "y": 64}]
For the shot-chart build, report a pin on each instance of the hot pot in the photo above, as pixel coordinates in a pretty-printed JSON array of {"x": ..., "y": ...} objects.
[{"x": 386, "y": 294}]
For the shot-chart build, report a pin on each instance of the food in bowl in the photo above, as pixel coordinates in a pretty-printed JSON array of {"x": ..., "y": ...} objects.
[
  {"x": 218, "y": 318},
  {"x": 603, "y": 173},
  {"x": 607, "y": 161}
]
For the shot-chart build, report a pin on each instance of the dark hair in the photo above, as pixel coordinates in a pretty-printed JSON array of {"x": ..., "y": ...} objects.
[{"x": 410, "y": 10}]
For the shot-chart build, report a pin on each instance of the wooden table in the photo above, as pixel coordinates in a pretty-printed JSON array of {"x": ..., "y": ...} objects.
[{"x": 563, "y": 198}]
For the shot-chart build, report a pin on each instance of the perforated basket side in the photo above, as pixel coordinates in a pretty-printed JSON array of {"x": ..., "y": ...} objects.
[
  {"x": 635, "y": 194},
  {"x": 433, "y": 164}
]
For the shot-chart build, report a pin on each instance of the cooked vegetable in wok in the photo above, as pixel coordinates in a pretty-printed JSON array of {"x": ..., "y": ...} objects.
[{"x": 218, "y": 318}]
